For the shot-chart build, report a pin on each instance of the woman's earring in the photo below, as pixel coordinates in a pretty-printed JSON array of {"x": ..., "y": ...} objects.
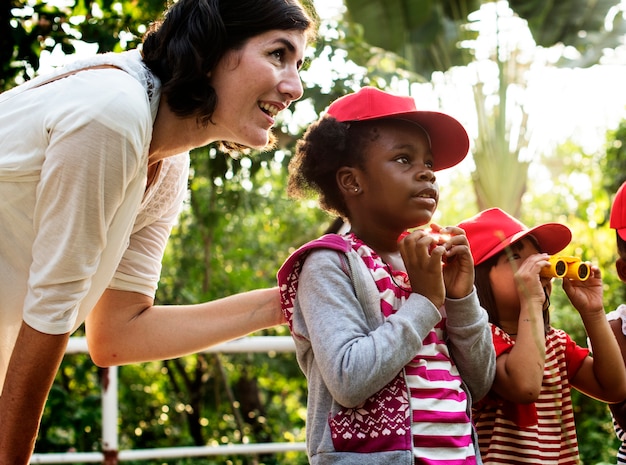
[{"x": 356, "y": 189}]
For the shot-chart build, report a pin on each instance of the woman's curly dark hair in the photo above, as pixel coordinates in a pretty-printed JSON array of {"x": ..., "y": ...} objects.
[
  {"x": 326, "y": 146},
  {"x": 186, "y": 45}
]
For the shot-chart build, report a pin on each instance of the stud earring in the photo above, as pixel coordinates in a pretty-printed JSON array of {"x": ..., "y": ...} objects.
[{"x": 356, "y": 189}]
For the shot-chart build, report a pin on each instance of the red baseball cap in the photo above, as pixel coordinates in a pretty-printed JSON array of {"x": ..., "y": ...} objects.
[
  {"x": 491, "y": 231},
  {"x": 448, "y": 139},
  {"x": 618, "y": 212}
]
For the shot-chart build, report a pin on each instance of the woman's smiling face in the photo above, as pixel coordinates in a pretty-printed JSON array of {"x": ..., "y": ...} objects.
[{"x": 254, "y": 83}]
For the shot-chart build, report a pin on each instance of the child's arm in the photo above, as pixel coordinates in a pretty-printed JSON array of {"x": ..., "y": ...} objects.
[
  {"x": 619, "y": 410},
  {"x": 602, "y": 376},
  {"x": 519, "y": 372}
]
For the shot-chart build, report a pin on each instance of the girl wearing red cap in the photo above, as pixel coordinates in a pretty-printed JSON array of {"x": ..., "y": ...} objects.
[
  {"x": 392, "y": 340},
  {"x": 527, "y": 417},
  {"x": 617, "y": 317}
]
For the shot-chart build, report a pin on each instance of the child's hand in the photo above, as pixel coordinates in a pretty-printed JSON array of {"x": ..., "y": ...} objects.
[
  {"x": 424, "y": 270},
  {"x": 458, "y": 267},
  {"x": 586, "y": 296},
  {"x": 530, "y": 286}
]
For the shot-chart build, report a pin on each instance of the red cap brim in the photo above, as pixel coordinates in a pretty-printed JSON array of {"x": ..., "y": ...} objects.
[{"x": 448, "y": 138}]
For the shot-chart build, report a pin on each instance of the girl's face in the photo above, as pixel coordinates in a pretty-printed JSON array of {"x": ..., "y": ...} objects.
[
  {"x": 502, "y": 280},
  {"x": 254, "y": 83},
  {"x": 398, "y": 183}
]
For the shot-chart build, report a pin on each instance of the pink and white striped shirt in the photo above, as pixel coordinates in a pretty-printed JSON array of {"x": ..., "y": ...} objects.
[{"x": 440, "y": 424}]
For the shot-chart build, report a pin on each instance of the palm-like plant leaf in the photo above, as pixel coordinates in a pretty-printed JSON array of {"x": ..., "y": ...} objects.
[
  {"x": 577, "y": 23},
  {"x": 426, "y": 33}
]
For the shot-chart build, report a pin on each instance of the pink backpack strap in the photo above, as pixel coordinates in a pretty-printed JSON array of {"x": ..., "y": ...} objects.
[{"x": 289, "y": 273}]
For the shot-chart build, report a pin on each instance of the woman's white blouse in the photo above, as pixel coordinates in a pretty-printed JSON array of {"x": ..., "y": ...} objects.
[{"x": 75, "y": 216}]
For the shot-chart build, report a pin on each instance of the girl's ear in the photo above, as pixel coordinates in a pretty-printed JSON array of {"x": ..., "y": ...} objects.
[
  {"x": 620, "y": 266},
  {"x": 347, "y": 180}
]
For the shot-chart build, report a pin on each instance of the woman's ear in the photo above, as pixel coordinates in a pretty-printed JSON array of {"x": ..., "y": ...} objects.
[
  {"x": 347, "y": 180},
  {"x": 620, "y": 266}
]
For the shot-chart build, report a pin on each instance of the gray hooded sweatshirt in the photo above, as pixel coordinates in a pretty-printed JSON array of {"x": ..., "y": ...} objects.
[{"x": 354, "y": 354}]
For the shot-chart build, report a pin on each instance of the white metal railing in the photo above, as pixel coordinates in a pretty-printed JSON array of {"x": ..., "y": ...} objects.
[{"x": 110, "y": 445}]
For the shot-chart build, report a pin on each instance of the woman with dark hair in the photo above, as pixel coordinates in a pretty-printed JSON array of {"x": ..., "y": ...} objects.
[{"x": 94, "y": 165}]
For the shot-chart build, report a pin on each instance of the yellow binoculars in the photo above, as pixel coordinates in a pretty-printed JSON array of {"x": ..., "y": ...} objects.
[{"x": 566, "y": 267}]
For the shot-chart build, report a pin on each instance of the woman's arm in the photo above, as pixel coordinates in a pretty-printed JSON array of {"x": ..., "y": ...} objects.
[
  {"x": 31, "y": 371},
  {"x": 125, "y": 327}
]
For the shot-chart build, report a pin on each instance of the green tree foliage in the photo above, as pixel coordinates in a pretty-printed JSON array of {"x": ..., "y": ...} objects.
[
  {"x": 72, "y": 417},
  {"x": 614, "y": 165},
  {"x": 434, "y": 37},
  {"x": 426, "y": 34},
  {"x": 578, "y": 24},
  {"x": 30, "y": 27}
]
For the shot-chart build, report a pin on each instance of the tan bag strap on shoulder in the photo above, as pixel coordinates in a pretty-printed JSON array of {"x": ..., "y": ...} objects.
[{"x": 69, "y": 73}]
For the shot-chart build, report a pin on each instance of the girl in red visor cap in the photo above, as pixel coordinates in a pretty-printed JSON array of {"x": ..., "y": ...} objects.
[
  {"x": 392, "y": 341},
  {"x": 527, "y": 417}
]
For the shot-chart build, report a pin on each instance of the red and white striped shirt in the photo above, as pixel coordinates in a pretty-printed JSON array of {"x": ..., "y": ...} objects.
[{"x": 543, "y": 432}]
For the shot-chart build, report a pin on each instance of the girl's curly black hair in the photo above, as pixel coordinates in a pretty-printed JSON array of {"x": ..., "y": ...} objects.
[
  {"x": 186, "y": 45},
  {"x": 326, "y": 146}
]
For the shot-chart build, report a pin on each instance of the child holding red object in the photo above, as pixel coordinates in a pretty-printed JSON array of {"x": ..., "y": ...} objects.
[
  {"x": 617, "y": 318},
  {"x": 527, "y": 418},
  {"x": 392, "y": 340}
]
